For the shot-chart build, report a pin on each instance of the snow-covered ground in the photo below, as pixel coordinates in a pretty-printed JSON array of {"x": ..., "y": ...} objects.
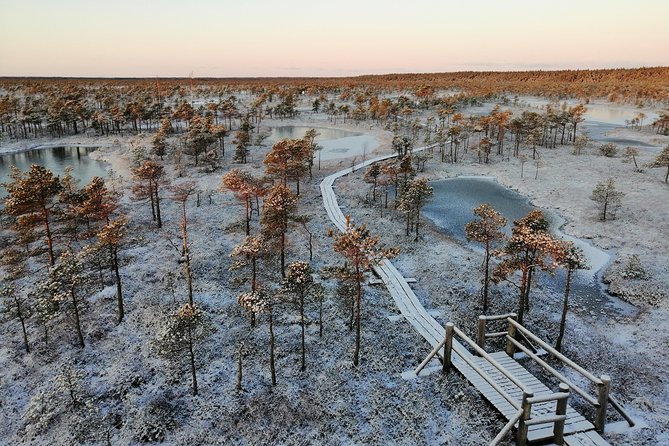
[{"x": 135, "y": 396}]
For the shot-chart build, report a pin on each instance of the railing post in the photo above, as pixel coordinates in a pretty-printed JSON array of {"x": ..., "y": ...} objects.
[
  {"x": 448, "y": 346},
  {"x": 603, "y": 400},
  {"x": 480, "y": 335},
  {"x": 561, "y": 409},
  {"x": 510, "y": 348},
  {"x": 521, "y": 439}
]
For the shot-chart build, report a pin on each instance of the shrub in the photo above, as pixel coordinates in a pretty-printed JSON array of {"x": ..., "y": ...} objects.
[{"x": 609, "y": 149}]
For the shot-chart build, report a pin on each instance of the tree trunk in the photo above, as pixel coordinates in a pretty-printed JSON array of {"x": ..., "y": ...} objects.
[
  {"x": 486, "y": 276},
  {"x": 283, "y": 254},
  {"x": 153, "y": 201},
  {"x": 186, "y": 252},
  {"x": 191, "y": 354},
  {"x": 304, "y": 359},
  {"x": 248, "y": 216},
  {"x": 528, "y": 286},
  {"x": 77, "y": 321},
  {"x": 19, "y": 314},
  {"x": 521, "y": 304},
  {"x": 160, "y": 222},
  {"x": 271, "y": 348},
  {"x": 358, "y": 298},
  {"x": 119, "y": 291},
  {"x": 320, "y": 316},
  {"x": 49, "y": 237},
  {"x": 565, "y": 307}
]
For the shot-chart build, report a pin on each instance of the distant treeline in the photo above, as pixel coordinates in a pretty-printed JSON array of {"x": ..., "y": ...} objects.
[{"x": 623, "y": 84}]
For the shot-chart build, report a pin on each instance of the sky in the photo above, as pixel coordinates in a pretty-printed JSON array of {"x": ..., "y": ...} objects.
[{"x": 259, "y": 38}]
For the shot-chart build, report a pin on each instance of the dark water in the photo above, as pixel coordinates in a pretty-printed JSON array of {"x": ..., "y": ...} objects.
[
  {"x": 452, "y": 207},
  {"x": 54, "y": 159}
]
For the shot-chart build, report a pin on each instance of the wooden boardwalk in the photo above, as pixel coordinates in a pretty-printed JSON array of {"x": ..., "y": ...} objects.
[{"x": 413, "y": 311}]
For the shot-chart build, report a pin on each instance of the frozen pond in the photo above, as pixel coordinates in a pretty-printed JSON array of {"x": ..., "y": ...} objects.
[
  {"x": 54, "y": 159},
  {"x": 600, "y": 117},
  {"x": 335, "y": 143},
  {"x": 452, "y": 207}
]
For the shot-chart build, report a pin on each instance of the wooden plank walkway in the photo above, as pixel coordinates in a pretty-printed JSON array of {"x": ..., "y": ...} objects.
[{"x": 414, "y": 312}]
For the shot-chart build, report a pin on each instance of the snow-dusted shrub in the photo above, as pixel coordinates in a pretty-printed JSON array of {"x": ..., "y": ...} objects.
[
  {"x": 155, "y": 419},
  {"x": 63, "y": 404},
  {"x": 634, "y": 269},
  {"x": 609, "y": 149}
]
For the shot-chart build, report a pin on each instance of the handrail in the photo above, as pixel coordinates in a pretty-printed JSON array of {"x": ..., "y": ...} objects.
[
  {"x": 489, "y": 380},
  {"x": 481, "y": 335},
  {"x": 603, "y": 383},
  {"x": 507, "y": 427},
  {"x": 555, "y": 353},
  {"x": 491, "y": 360},
  {"x": 555, "y": 373},
  {"x": 496, "y": 317},
  {"x": 524, "y": 417}
]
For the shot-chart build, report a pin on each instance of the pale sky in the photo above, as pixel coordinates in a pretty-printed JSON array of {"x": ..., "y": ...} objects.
[{"x": 224, "y": 38}]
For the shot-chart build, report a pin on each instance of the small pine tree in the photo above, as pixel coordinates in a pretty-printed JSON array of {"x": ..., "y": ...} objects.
[
  {"x": 257, "y": 302},
  {"x": 299, "y": 283},
  {"x": 662, "y": 160},
  {"x": 634, "y": 269},
  {"x": 182, "y": 334},
  {"x": 608, "y": 198},
  {"x": 630, "y": 154}
]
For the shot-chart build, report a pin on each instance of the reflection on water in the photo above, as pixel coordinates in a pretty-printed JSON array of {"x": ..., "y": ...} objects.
[
  {"x": 452, "y": 207},
  {"x": 606, "y": 113},
  {"x": 334, "y": 143},
  {"x": 54, "y": 159},
  {"x": 297, "y": 132}
]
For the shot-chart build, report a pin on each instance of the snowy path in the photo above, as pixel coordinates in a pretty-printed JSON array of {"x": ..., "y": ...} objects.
[{"x": 471, "y": 366}]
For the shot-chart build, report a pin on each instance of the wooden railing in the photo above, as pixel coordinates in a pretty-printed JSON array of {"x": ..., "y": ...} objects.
[
  {"x": 524, "y": 420},
  {"x": 524, "y": 409},
  {"x": 482, "y": 336},
  {"x": 603, "y": 383}
]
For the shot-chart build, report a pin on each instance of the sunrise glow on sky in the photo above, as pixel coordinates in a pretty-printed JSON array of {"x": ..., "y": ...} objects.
[{"x": 223, "y": 38}]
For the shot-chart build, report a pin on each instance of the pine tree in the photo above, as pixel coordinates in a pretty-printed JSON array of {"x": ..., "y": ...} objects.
[
  {"x": 181, "y": 192},
  {"x": 608, "y": 198},
  {"x": 279, "y": 209},
  {"x": 63, "y": 287},
  {"x": 148, "y": 179},
  {"x": 362, "y": 250},
  {"x": 571, "y": 258},
  {"x": 486, "y": 229},
  {"x": 371, "y": 176},
  {"x": 530, "y": 246},
  {"x": 182, "y": 334},
  {"x": 33, "y": 199},
  {"x": 15, "y": 304},
  {"x": 414, "y": 196},
  {"x": 245, "y": 187},
  {"x": 110, "y": 238},
  {"x": 299, "y": 282},
  {"x": 259, "y": 302}
]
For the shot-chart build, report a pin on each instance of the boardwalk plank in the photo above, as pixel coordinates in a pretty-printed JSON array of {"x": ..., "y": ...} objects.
[{"x": 417, "y": 316}]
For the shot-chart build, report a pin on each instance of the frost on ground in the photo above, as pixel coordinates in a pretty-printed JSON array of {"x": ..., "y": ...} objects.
[{"x": 118, "y": 391}]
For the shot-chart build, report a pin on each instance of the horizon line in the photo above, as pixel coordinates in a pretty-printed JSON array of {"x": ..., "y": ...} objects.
[{"x": 538, "y": 70}]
